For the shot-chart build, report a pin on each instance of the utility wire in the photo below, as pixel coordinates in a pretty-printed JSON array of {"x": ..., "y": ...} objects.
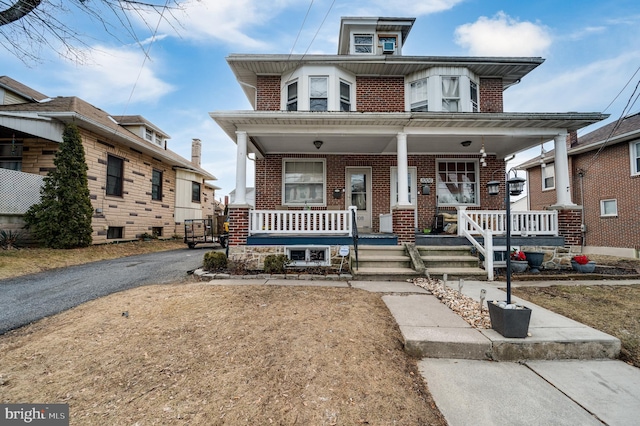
[{"x": 300, "y": 30}]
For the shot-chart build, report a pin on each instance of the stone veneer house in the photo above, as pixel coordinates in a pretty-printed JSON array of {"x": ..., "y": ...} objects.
[
  {"x": 136, "y": 184},
  {"x": 399, "y": 138},
  {"x": 604, "y": 172}
]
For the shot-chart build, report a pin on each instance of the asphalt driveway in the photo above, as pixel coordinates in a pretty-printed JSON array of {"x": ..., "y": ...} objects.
[{"x": 32, "y": 297}]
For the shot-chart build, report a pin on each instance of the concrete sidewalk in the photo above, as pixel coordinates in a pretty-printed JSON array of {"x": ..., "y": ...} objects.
[{"x": 566, "y": 374}]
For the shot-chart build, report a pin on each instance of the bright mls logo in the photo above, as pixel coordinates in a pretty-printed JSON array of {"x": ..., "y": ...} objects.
[{"x": 34, "y": 414}]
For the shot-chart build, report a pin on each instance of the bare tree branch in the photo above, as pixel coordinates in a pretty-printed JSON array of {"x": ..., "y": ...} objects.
[{"x": 18, "y": 11}]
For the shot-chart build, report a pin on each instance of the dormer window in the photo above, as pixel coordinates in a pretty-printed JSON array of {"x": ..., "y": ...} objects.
[
  {"x": 388, "y": 44},
  {"x": 148, "y": 134},
  {"x": 451, "y": 94},
  {"x": 363, "y": 43}
]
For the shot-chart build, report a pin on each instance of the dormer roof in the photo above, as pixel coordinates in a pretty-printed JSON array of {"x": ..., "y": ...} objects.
[{"x": 381, "y": 25}]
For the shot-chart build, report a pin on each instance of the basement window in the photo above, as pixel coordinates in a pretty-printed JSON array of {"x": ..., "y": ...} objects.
[{"x": 309, "y": 255}]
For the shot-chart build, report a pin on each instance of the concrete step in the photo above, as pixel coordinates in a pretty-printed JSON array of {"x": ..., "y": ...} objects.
[
  {"x": 444, "y": 250},
  {"x": 384, "y": 274},
  {"x": 455, "y": 273},
  {"x": 464, "y": 261}
]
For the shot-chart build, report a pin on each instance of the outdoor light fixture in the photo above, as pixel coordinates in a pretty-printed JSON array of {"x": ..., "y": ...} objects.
[
  {"x": 465, "y": 143},
  {"x": 318, "y": 144}
]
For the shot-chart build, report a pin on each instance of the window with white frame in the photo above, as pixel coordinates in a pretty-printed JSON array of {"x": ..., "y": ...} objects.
[
  {"x": 363, "y": 43},
  {"x": 411, "y": 183},
  {"x": 345, "y": 96},
  {"x": 457, "y": 182},
  {"x": 634, "y": 152},
  {"x": 473, "y": 88},
  {"x": 309, "y": 256},
  {"x": 292, "y": 96},
  {"x": 418, "y": 93},
  {"x": 609, "y": 207},
  {"x": 388, "y": 44},
  {"x": 148, "y": 134},
  {"x": 549, "y": 176},
  {"x": 318, "y": 93},
  {"x": 451, "y": 94},
  {"x": 303, "y": 182}
]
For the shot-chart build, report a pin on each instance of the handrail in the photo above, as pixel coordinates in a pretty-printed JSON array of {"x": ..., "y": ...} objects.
[
  {"x": 465, "y": 221},
  {"x": 354, "y": 232}
]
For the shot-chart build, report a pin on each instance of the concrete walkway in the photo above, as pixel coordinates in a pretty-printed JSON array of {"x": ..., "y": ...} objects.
[{"x": 566, "y": 373}]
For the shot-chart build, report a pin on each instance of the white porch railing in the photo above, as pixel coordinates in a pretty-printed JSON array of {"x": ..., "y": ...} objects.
[
  {"x": 487, "y": 223},
  {"x": 289, "y": 222},
  {"x": 386, "y": 223}
]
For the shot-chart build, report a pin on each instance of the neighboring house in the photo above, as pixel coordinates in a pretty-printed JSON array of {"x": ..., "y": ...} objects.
[
  {"x": 398, "y": 137},
  {"x": 604, "y": 171},
  {"x": 136, "y": 184}
]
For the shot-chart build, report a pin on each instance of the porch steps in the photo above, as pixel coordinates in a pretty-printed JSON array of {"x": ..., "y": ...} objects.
[
  {"x": 455, "y": 261},
  {"x": 384, "y": 263}
]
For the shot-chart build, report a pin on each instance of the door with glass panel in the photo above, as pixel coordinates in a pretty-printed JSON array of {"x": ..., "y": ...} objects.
[{"x": 358, "y": 193}]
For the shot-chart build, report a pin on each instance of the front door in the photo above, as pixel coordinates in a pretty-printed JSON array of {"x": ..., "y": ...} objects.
[{"x": 359, "y": 194}]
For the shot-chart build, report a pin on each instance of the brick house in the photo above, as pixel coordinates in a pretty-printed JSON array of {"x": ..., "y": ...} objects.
[
  {"x": 136, "y": 184},
  {"x": 333, "y": 131},
  {"x": 604, "y": 172}
]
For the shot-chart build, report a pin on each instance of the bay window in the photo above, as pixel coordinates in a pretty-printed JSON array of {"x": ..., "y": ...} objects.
[
  {"x": 345, "y": 96},
  {"x": 418, "y": 93},
  {"x": 303, "y": 182},
  {"x": 292, "y": 96},
  {"x": 451, "y": 94},
  {"x": 457, "y": 182},
  {"x": 318, "y": 93},
  {"x": 473, "y": 88}
]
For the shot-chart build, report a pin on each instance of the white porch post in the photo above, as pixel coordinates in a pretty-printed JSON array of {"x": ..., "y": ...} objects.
[
  {"x": 403, "y": 170},
  {"x": 241, "y": 168},
  {"x": 563, "y": 184}
]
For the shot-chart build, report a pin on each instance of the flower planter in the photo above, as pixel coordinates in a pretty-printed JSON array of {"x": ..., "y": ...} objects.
[
  {"x": 535, "y": 259},
  {"x": 587, "y": 268},
  {"x": 519, "y": 265},
  {"x": 509, "y": 322}
]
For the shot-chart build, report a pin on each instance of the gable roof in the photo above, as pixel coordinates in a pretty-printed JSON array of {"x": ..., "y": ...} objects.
[
  {"x": 45, "y": 119},
  {"x": 20, "y": 89}
]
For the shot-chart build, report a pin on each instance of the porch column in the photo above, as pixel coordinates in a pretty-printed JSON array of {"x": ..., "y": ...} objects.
[
  {"x": 563, "y": 184},
  {"x": 241, "y": 168},
  {"x": 403, "y": 170}
]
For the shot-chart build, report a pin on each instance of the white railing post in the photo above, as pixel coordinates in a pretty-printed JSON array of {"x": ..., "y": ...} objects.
[
  {"x": 488, "y": 256},
  {"x": 462, "y": 221}
]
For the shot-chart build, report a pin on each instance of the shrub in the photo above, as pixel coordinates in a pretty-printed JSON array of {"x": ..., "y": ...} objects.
[
  {"x": 215, "y": 261},
  {"x": 276, "y": 263}
]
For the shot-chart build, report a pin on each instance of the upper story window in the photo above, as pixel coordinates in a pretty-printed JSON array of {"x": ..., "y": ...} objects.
[
  {"x": 292, "y": 96},
  {"x": 318, "y": 88},
  {"x": 418, "y": 93},
  {"x": 634, "y": 148},
  {"x": 318, "y": 93},
  {"x": 548, "y": 176},
  {"x": 451, "y": 94},
  {"x": 387, "y": 44},
  {"x": 345, "y": 96},
  {"x": 473, "y": 89},
  {"x": 457, "y": 182},
  {"x": 115, "y": 173},
  {"x": 195, "y": 192},
  {"x": 363, "y": 43},
  {"x": 148, "y": 134}
]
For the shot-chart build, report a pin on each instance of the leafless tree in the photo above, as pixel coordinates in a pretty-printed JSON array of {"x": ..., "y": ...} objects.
[{"x": 28, "y": 26}]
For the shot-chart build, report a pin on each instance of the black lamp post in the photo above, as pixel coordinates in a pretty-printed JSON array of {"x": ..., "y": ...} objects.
[{"x": 513, "y": 186}]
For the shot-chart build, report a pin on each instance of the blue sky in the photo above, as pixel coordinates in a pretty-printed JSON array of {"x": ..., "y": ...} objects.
[{"x": 592, "y": 50}]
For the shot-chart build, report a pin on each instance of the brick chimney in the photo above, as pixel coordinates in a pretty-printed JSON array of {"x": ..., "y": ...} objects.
[
  {"x": 196, "y": 152},
  {"x": 572, "y": 139}
]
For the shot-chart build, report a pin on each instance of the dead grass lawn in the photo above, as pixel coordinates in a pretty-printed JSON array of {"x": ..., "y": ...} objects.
[
  {"x": 210, "y": 355},
  {"x": 613, "y": 309}
]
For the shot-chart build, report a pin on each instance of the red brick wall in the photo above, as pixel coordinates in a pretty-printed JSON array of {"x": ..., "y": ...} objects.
[
  {"x": 608, "y": 177},
  {"x": 269, "y": 182},
  {"x": 569, "y": 226},
  {"x": 380, "y": 94},
  {"x": 539, "y": 199},
  {"x": 403, "y": 225},
  {"x": 268, "y": 95},
  {"x": 491, "y": 99},
  {"x": 238, "y": 226}
]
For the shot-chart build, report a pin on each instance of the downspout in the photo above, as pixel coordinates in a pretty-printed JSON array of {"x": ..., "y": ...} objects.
[{"x": 583, "y": 227}]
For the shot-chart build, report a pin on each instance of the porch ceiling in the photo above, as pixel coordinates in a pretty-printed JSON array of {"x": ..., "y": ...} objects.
[{"x": 272, "y": 132}]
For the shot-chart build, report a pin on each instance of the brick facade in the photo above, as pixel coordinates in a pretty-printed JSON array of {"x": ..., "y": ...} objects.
[
  {"x": 268, "y": 93},
  {"x": 569, "y": 221},
  {"x": 380, "y": 94},
  {"x": 238, "y": 226},
  {"x": 403, "y": 225},
  {"x": 268, "y": 180},
  {"x": 491, "y": 99}
]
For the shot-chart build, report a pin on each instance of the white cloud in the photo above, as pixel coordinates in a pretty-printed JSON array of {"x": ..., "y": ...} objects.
[
  {"x": 415, "y": 8},
  {"x": 112, "y": 75},
  {"x": 586, "y": 32},
  {"x": 503, "y": 36}
]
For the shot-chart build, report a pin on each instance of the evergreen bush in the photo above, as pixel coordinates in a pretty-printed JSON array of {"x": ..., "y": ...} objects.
[
  {"x": 276, "y": 263},
  {"x": 215, "y": 261}
]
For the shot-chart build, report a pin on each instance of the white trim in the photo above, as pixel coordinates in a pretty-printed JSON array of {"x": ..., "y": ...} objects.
[
  {"x": 303, "y": 75},
  {"x": 634, "y": 154},
  {"x": 413, "y": 194},
  {"x": 602, "y": 207},
  {"x": 477, "y": 181}
]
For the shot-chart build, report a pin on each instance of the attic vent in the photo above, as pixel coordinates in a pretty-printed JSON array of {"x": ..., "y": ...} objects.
[{"x": 388, "y": 47}]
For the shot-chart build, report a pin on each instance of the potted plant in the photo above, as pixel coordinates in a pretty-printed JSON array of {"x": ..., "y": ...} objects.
[
  {"x": 535, "y": 259},
  {"x": 509, "y": 319},
  {"x": 581, "y": 263},
  {"x": 518, "y": 261}
]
